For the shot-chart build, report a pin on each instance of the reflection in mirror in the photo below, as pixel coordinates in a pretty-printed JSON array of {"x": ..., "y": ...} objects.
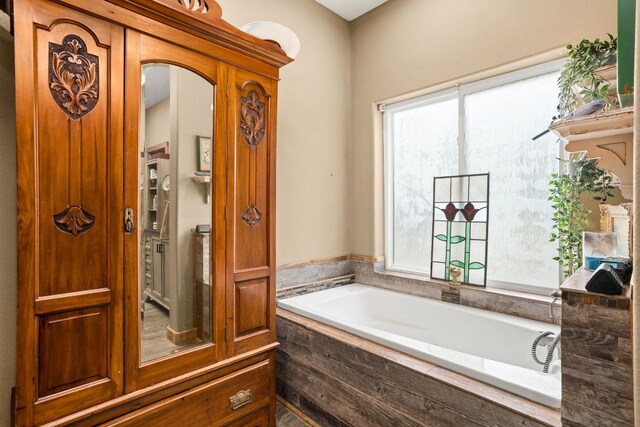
[{"x": 176, "y": 115}]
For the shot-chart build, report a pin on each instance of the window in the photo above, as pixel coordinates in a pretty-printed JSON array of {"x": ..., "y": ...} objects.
[{"x": 481, "y": 127}]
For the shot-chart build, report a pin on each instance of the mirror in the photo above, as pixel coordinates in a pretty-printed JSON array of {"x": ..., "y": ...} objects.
[{"x": 176, "y": 116}]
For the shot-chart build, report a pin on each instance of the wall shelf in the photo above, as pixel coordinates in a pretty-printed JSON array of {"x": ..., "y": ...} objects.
[
  {"x": 204, "y": 179},
  {"x": 608, "y": 136}
]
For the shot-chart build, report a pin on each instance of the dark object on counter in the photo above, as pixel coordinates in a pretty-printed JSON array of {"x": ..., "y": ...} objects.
[
  {"x": 622, "y": 266},
  {"x": 203, "y": 228},
  {"x": 605, "y": 280}
]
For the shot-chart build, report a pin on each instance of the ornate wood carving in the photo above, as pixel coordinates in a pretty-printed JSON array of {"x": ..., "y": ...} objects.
[
  {"x": 201, "y": 6},
  {"x": 252, "y": 120},
  {"x": 251, "y": 216},
  {"x": 73, "y": 76},
  {"x": 74, "y": 220}
]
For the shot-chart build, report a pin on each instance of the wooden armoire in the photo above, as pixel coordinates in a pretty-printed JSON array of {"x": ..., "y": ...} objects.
[{"x": 80, "y": 83}]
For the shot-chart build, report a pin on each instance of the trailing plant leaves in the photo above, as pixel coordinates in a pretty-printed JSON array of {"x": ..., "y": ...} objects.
[
  {"x": 570, "y": 217},
  {"x": 583, "y": 59}
]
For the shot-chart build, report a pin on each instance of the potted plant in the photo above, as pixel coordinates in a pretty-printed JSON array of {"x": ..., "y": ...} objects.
[
  {"x": 578, "y": 79},
  {"x": 570, "y": 217}
]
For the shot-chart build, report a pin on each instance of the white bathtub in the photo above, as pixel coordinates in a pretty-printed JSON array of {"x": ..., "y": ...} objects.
[{"x": 490, "y": 347}]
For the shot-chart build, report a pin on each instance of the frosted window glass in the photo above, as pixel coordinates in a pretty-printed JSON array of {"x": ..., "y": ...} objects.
[
  {"x": 425, "y": 145},
  {"x": 499, "y": 125}
]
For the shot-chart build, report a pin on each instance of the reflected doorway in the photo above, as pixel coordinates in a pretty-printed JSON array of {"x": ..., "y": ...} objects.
[{"x": 176, "y": 126}]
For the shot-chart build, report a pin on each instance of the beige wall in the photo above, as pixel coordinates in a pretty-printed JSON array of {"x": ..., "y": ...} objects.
[
  {"x": 313, "y": 128},
  {"x": 157, "y": 124},
  {"x": 193, "y": 96},
  {"x": 8, "y": 266},
  {"x": 407, "y": 45}
]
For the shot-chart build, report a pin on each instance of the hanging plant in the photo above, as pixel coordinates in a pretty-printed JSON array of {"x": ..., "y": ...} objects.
[
  {"x": 570, "y": 217},
  {"x": 578, "y": 72}
]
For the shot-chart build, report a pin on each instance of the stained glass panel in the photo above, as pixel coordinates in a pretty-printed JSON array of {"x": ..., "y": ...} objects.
[{"x": 460, "y": 222}]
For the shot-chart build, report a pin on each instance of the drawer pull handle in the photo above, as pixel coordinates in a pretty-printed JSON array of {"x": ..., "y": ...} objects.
[{"x": 243, "y": 397}]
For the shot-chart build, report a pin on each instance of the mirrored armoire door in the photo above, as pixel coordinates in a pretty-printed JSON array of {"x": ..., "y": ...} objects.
[{"x": 175, "y": 189}]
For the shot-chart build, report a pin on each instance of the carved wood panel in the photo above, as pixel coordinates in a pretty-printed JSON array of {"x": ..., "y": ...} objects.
[
  {"x": 73, "y": 76},
  {"x": 253, "y": 273},
  {"x": 252, "y": 183},
  {"x": 252, "y": 118},
  {"x": 73, "y": 152}
]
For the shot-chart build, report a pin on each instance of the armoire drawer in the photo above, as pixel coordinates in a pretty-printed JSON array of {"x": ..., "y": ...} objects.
[
  {"x": 259, "y": 418},
  {"x": 216, "y": 403}
]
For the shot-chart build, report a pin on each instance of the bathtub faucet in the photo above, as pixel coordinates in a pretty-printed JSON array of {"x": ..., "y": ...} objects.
[
  {"x": 549, "y": 340},
  {"x": 556, "y": 294}
]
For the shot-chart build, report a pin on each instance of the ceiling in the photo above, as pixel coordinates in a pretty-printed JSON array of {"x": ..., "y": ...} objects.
[
  {"x": 156, "y": 84},
  {"x": 351, "y": 9}
]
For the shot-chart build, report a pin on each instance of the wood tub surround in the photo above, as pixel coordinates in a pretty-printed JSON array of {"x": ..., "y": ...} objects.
[
  {"x": 340, "y": 379},
  {"x": 78, "y": 81},
  {"x": 597, "y": 384}
]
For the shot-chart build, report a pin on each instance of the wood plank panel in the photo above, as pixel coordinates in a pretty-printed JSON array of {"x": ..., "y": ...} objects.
[
  {"x": 597, "y": 386},
  {"x": 577, "y": 415},
  {"x": 389, "y": 378},
  {"x": 347, "y": 403},
  {"x": 72, "y": 349}
]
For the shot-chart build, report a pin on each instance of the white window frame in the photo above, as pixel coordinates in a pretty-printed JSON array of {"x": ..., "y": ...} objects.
[{"x": 389, "y": 111}]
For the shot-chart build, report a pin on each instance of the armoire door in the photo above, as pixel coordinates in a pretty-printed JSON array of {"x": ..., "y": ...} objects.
[
  {"x": 70, "y": 213},
  {"x": 175, "y": 100},
  {"x": 251, "y": 253}
]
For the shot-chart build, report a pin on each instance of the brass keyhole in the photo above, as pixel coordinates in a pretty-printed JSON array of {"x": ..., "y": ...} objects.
[{"x": 128, "y": 220}]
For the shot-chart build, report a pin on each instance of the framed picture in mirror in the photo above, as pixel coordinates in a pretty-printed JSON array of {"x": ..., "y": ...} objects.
[{"x": 204, "y": 153}]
